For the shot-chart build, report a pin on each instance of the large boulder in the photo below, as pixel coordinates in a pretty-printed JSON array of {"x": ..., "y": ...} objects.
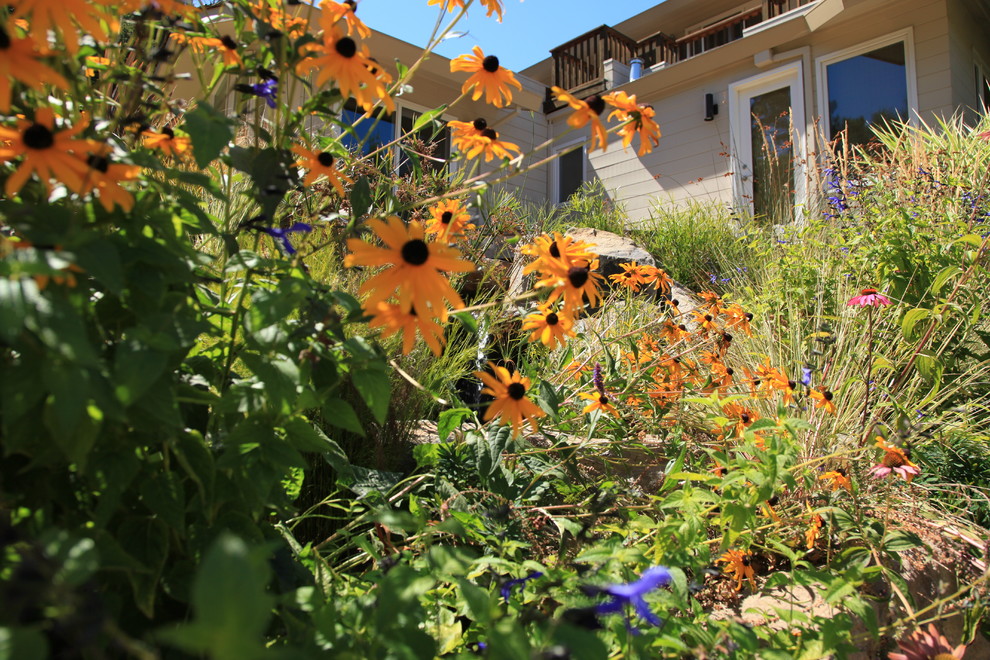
[{"x": 612, "y": 249}]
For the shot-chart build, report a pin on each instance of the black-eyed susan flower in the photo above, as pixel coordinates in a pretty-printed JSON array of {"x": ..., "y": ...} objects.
[
  {"x": 580, "y": 283},
  {"x": 489, "y": 144},
  {"x": 632, "y": 277},
  {"x": 598, "y": 401},
  {"x": 556, "y": 253},
  {"x": 493, "y": 6},
  {"x": 837, "y": 479},
  {"x": 737, "y": 317},
  {"x": 392, "y": 319},
  {"x": 167, "y": 142},
  {"x": 587, "y": 111},
  {"x": 487, "y": 77},
  {"x": 332, "y": 13},
  {"x": 225, "y": 45},
  {"x": 415, "y": 268},
  {"x": 448, "y": 220},
  {"x": 93, "y": 61},
  {"x": 738, "y": 563},
  {"x": 463, "y": 133},
  {"x": 823, "y": 399},
  {"x": 510, "y": 405},
  {"x": 49, "y": 153},
  {"x": 895, "y": 461},
  {"x": 62, "y": 17},
  {"x": 814, "y": 529},
  {"x": 104, "y": 178},
  {"x": 318, "y": 164},
  {"x": 19, "y": 61},
  {"x": 638, "y": 120},
  {"x": 348, "y": 64},
  {"x": 549, "y": 326}
]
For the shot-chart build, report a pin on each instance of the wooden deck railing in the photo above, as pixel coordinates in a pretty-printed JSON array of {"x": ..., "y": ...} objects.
[{"x": 578, "y": 65}]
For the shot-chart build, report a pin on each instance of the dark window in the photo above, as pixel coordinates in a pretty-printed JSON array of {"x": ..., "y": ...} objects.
[
  {"x": 570, "y": 174},
  {"x": 429, "y": 146},
  {"x": 867, "y": 90},
  {"x": 368, "y": 134}
]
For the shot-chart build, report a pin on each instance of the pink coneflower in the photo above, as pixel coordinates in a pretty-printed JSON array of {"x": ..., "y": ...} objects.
[
  {"x": 894, "y": 460},
  {"x": 984, "y": 135},
  {"x": 922, "y": 645},
  {"x": 869, "y": 298}
]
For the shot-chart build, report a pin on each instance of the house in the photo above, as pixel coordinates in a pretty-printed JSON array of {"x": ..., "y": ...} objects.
[
  {"x": 725, "y": 76},
  {"x": 746, "y": 94}
]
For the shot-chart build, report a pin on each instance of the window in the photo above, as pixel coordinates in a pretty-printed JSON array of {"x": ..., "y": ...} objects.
[
  {"x": 430, "y": 146},
  {"x": 568, "y": 173},
  {"x": 866, "y": 86},
  {"x": 982, "y": 86}
]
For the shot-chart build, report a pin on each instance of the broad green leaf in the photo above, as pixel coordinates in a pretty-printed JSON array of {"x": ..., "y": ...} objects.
[
  {"x": 450, "y": 420},
  {"x": 209, "y": 131},
  {"x": 428, "y": 117},
  {"x": 22, "y": 644},
  {"x": 375, "y": 389},
  {"x": 339, "y": 413},
  {"x": 360, "y": 198},
  {"x": 911, "y": 318}
]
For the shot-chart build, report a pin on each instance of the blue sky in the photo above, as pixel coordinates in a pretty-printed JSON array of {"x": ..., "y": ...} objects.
[{"x": 530, "y": 29}]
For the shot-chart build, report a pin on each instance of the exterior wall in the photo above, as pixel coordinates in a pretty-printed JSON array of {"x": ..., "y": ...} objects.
[
  {"x": 692, "y": 163},
  {"x": 969, "y": 46}
]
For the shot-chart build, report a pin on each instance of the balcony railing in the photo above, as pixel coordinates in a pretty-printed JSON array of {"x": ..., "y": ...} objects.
[{"x": 578, "y": 65}]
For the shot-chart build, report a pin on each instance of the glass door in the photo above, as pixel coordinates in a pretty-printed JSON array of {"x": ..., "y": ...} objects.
[{"x": 767, "y": 126}]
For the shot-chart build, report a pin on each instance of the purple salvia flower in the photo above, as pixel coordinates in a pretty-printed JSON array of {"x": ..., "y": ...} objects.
[
  {"x": 621, "y": 595},
  {"x": 598, "y": 379},
  {"x": 282, "y": 235},
  {"x": 506, "y": 589}
]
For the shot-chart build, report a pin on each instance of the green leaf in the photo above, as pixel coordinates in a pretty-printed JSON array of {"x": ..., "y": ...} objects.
[
  {"x": 164, "y": 495},
  {"x": 100, "y": 259},
  {"x": 22, "y": 644},
  {"x": 899, "y": 540},
  {"x": 467, "y": 321},
  {"x": 428, "y": 117},
  {"x": 450, "y": 420},
  {"x": 911, "y": 318},
  {"x": 477, "y": 600},
  {"x": 549, "y": 399},
  {"x": 375, "y": 389},
  {"x": 944, "y": 276},
  {"x": 864, "y": 610},
  {"x": 360, "y": 198},
  {"x": 339, "y": 413},
  {"x": 209, "y": 131},
  {"x": 136, "y": 368},
  {"x": 230, "y": 604}
]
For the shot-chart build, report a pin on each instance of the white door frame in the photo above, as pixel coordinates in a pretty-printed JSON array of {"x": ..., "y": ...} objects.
[{"x": 740, "y": 130}]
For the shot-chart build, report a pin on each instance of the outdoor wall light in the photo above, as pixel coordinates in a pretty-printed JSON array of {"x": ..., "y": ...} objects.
[{"x": 711, "y": 108}]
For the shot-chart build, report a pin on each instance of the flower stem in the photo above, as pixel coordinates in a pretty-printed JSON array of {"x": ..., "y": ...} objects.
[{"x": 869, "y": 369}]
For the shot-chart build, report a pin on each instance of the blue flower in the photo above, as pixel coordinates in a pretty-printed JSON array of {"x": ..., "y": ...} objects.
[
  {"x": 283, "y": 234},
  {"x": 506, "y": 590},
  {"x": 632, "y": 594},
  {"x": 806, "y": 376},
  {"x": 266, "y": 89}
]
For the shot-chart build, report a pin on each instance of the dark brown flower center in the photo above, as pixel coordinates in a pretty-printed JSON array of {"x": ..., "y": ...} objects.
[
  {"x": 480, "y": 124},
  {"x": 516, "y": 391},
  {"x": 726, "y": 337},
  {"x": 893, "y": 459},
  {"x": 346, "y": 47},
  {"x": 578, "y": 276},
  {"x": 827, "y": 395},
  {"x": 682, "y": 327},
  {"x": 729, "y": 371},
  {"x": 749, "y": 316},
  {"x": 554, "y": 250},
  {"x": 745, "y": 561},
  {"x": 744, "y": 418},
  {"x": 708, "y": 317},
  {"x": 446, "y": 217},
  {"x": 169, "y": 132},
  {"x": 596, "y": 103},
  {"x": 4, "y": 39},
  {"x": 99, "y": 163},
  {"x": 841, "y": 471},
  {"x": 868, "y": 292},
  {"x": 325, "y": 159},
  {"x": 352, "y": 5},
  {"x": 791, "y": 384},
  {"x": 490, "y": 134},
  {"x": 228, "y": 43},
  {"x": 552, "y": 319},
  {"x": 415, "y": 252},
  {"x": 38, "y": 137},
  {"x": 603, "y": 400},
  {"x": 490, "y": 64}
]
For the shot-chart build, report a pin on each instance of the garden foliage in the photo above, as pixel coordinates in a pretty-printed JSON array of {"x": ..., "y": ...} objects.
[{"x": 219, "y": 331}]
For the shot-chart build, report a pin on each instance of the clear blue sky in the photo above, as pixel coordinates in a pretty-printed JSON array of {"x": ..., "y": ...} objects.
[{"x": 526, "y": 35}]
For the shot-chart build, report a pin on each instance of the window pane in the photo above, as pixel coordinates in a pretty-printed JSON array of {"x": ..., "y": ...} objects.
[
  {"x": 867, "y": 89},
  {"x": 773, "y": 154},
  {"x": 373, "y": 133},
  {"x": 570, "y": 174},
  {"x": 431, "y": 143}
]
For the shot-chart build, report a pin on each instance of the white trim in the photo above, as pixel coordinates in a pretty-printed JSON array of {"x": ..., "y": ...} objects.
[
  {"x": 740, "y": 129},
  {"x": 821, "y": 71},
  {"x": 558, "y": 151},
  {"x": 780, "y": 18}
]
